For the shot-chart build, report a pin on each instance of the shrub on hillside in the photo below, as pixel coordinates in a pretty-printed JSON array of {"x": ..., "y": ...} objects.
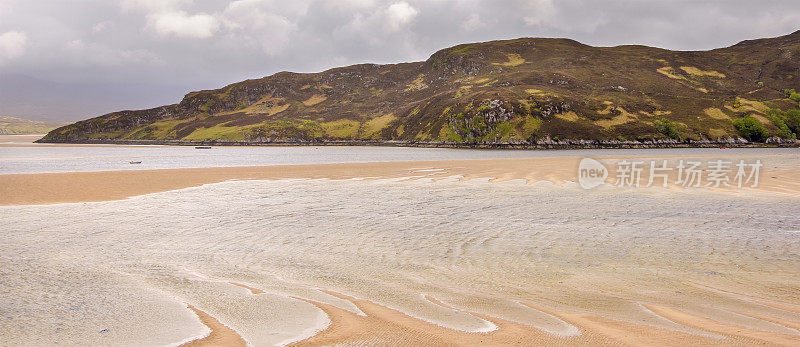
[
  {"x": 787, "y": 122},
  {"x": 666, "y": 127},
  {"x": 751, "y": 129},
  {"x": 779, "y": 119},
  {"x": 793, "y": 121}
]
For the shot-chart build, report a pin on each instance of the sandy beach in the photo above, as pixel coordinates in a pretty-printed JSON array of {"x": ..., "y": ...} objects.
[
  {"x": 48, "y": 188},
  {"x": 26, "y": 189},
  {"x": 446, "y": 252}
]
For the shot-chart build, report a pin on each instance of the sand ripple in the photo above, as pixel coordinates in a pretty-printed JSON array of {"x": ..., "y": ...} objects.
[{"x": 403, "y": 262}]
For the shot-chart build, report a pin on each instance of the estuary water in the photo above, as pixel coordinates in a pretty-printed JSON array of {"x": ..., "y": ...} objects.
[{"x": 40, "y": 159}]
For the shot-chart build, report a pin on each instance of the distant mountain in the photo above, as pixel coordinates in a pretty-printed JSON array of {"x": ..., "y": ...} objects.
[
  {"x": 34, "y": 98},
  {"x": 523, "y": 91},
  {"x": 19, "y": 126}
]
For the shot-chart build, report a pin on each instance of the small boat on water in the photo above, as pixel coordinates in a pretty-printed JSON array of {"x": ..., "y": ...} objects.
[
  {"x": 202, "y": 147},
  {"x": 136, "y": 162}
]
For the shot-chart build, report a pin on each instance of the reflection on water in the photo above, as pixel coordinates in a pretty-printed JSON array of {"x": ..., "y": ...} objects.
[{"x": 122, "y": 272}]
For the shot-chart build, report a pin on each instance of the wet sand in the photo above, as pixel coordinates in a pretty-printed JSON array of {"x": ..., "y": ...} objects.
[
  {"x": 220, "y": 334},
  {"x": 50, "y": 188},
  {"x": 352, "y": 259},
  {"x": 407, "y": 262},
  {"x": 385, "y": 326}
]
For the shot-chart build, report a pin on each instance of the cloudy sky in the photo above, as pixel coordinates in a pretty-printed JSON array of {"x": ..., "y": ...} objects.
[{"x": 73, "y": 59}]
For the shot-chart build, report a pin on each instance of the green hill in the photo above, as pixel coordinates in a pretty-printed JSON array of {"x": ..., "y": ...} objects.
[
  {"x": 524, "y": 91},
  {"x": 19, "y": 126}
]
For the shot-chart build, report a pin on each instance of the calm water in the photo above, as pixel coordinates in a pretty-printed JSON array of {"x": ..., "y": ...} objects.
[{"x": 102, "y": 158}]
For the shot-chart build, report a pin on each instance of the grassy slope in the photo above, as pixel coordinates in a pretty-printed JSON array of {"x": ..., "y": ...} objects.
[
  {"x": 514, "y": 91},
  {"x": 19, "y": 126}
]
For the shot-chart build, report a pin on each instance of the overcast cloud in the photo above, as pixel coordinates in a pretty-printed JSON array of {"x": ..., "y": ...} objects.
[{"x": 81, "y": 58}]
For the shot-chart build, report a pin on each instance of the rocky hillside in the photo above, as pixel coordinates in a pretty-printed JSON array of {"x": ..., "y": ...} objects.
[
  {"x": 523, "y": 92},
  {"x": 19, "y": 126}
]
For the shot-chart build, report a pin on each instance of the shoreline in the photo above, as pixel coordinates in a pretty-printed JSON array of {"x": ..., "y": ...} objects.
[
  {"x": 95, "y": 186},
  {"x": 540, "y": 145}
]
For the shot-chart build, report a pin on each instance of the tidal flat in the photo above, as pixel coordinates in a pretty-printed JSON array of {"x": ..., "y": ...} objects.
[{"x": 492, "y": 251}]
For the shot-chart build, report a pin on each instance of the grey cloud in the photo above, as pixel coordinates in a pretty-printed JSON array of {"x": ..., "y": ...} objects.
[{"x": 169, "y": 47}]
